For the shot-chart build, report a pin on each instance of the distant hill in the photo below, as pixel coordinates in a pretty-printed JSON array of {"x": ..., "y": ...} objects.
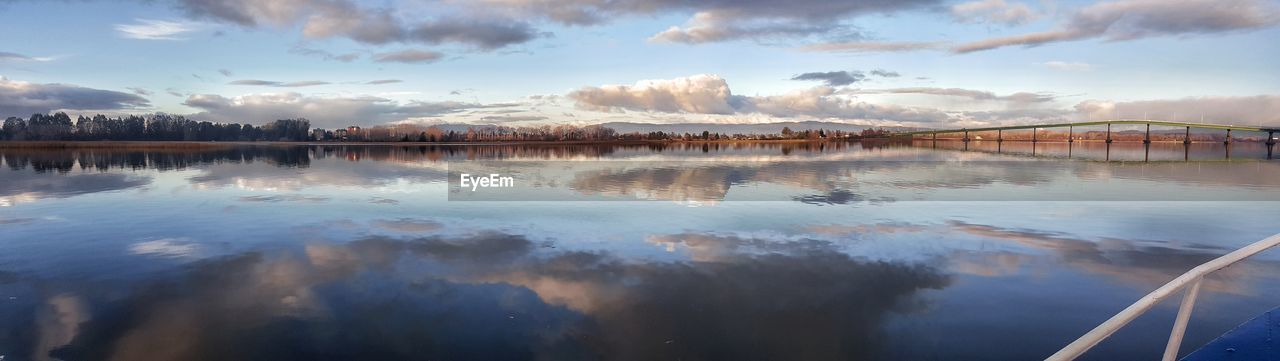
[{"x": 765, "y": 128}]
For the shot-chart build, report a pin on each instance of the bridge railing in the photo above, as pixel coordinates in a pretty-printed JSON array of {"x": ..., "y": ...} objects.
[
  {"x": 1101, "y": 122},
  {"x": 1194, "y": 278}
]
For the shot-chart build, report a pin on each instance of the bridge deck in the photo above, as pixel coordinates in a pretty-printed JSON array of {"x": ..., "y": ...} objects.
[{"x": 1103, "y": 122}]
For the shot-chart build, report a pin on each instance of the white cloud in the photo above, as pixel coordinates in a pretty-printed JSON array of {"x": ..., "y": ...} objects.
[
  {"x": 7, "y": 56},
  {"x": 323, "y": 111},
  {"x": 701, "y": 94},
  {"x": 1068, "y": 66},
  {"x": 1018, "y": 98},
  {"x": 1261, "y": 110},
  {"x": 708, "y": 98},
  {"x": 19, "y": 98},
  {"x": 345, "y": 58},
  {"x": 872, "y": 46},
  {"x": 823, "y": 103},
  {"x": 155, "y": 29},
  {"x": 368, "y": 25},
  {"x": 279, "y": 84},
  {"x": 993, "y": 11},
  {"x": 713, "y": 20},
  {"x": 707, "y": 27},
  {"x": 1122, "y": 20},
  {"x": 710, "y": 94}
]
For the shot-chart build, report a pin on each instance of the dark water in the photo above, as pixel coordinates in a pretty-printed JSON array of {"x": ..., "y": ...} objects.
[{"x": 689, "y": 252}]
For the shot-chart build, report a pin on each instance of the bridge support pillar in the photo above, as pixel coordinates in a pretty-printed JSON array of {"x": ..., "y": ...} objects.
[
  {"x": 1147, "y": 140},
  {"x": 1033, "y": 139},
  {"x": 1228, "y": 140},
  {"x": 999, "y": 135},
  {"x": 966, "y": 136},
  {"x": 1071, "y": 136},
  {"x": 1186, "y": 139},
  {"x": 1271, "y": 143},
  {"x": 1108, "y": 133}
]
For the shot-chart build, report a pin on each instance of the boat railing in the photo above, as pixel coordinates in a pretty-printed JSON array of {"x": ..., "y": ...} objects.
[{"x": 1192, "y": 278}]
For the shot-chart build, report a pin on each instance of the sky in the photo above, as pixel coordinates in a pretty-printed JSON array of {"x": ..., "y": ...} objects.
[{"x": 920, "y": 63}]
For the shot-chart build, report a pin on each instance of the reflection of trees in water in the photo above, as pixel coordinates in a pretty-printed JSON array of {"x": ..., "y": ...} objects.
[
  {"x": 498, "y": 296},
  {"x": 103, "y": 159},
  {"x": 833, "y": 197},
  {"x": 435, "y": 153},
  {"x": 182, "y": 156},
  {"x": 566, "y": 151}
]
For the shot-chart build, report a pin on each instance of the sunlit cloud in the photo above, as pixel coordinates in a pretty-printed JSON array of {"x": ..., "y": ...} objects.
[
  {"x": 145, "y": 29},
  {"x": 710, "y": 94}
]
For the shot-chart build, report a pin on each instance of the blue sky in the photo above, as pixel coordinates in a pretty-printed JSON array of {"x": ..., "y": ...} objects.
[{"x": 526, "y": 62}]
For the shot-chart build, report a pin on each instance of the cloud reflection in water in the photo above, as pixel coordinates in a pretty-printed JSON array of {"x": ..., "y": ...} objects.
[{"x": 497, "y": 296}]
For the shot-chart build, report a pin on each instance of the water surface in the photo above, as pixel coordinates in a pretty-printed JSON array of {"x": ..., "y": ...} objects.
[{"x": 691, "y": 251}]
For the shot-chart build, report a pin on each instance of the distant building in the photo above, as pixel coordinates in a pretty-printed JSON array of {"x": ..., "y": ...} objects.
[
  {"x": 340, "y": 134},
  {"x": 318, "y": 134}
]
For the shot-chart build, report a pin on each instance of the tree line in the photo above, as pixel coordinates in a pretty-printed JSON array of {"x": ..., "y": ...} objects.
[
  {"x": 165, "y": 127},
  {"x": 490, "y": 133},
  {"x": 60, "y": 126},
  {"x": 419, "y": 133}
]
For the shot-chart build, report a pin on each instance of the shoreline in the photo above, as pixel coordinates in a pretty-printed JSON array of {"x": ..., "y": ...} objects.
[
  {"x": 215, "y": 145},
  {"x": 203, "y": 144}
]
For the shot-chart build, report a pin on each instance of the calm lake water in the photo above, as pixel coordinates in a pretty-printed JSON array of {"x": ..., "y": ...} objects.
[{"x": 686, "y": 252}]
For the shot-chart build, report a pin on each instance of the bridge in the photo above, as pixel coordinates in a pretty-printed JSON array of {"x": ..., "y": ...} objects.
[
  {"x": 1071, "y": 134},
  {"x": 1271, "y": 132}
]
